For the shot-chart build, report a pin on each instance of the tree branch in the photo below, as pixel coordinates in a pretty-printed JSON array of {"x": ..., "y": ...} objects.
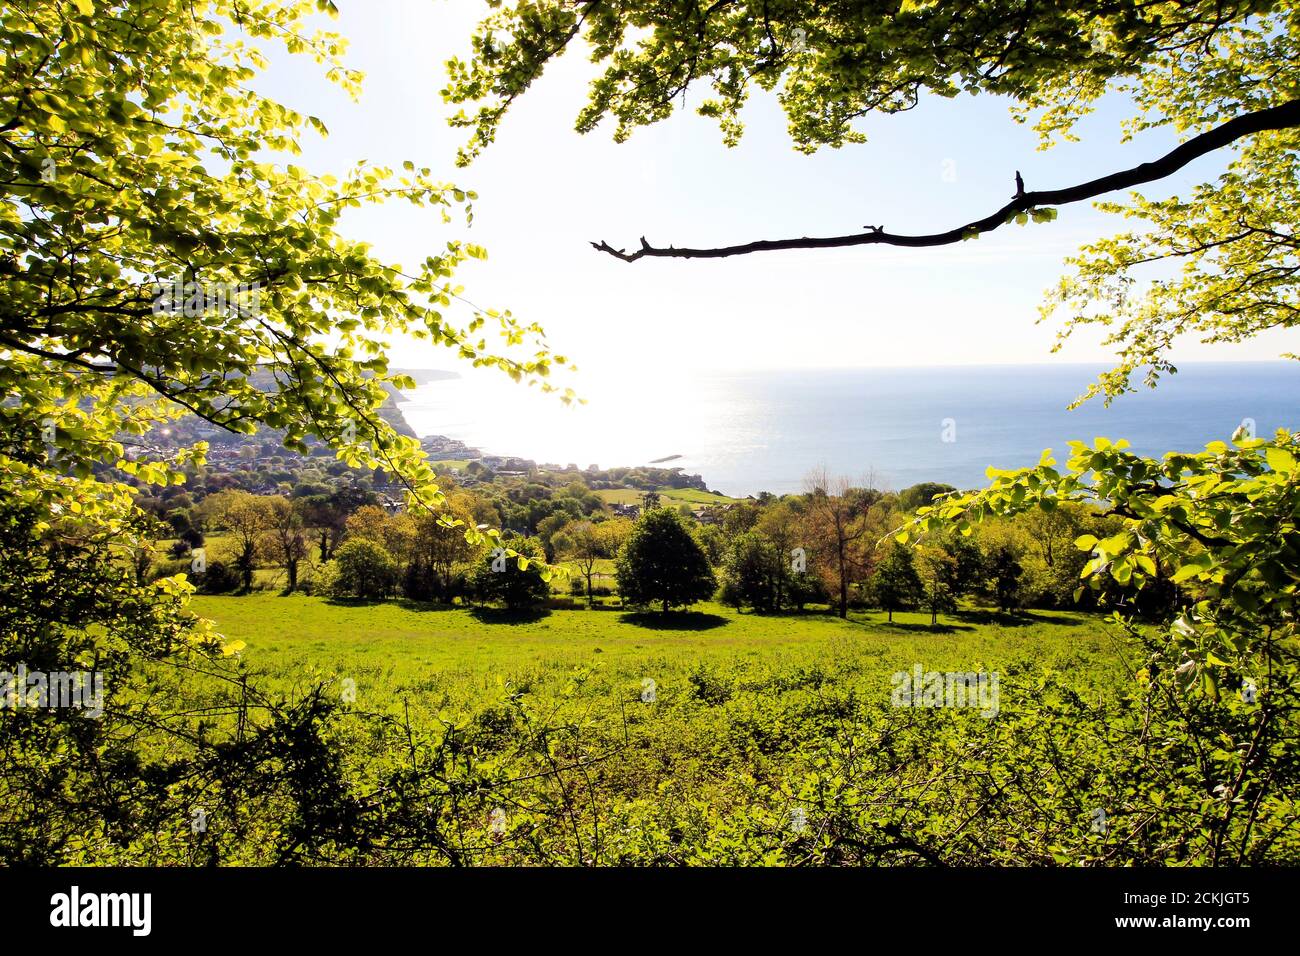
[{"x": 1285, "y": 116}]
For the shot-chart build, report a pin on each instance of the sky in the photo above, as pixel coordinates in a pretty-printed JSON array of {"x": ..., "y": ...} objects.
[{"x": 545, "y": 192}]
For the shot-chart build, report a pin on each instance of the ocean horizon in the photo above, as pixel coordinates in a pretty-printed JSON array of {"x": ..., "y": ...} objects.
[{"x": 750, "y": 431}]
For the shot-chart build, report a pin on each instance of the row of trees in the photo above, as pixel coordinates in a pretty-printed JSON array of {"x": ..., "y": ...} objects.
[
  {"x": 835, "y": 544},
  {"x": 367, "y": 553},
  {"x": 832, "y": 544}
]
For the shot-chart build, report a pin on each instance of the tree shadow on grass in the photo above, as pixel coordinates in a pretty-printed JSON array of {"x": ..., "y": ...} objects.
[
  {"x": 356, "y": 602},
  {"x": 1016, "y": 618},
  {"x": 497, "y": 615},
  {"x": 793, "y": 613},
  {"x": 943, "y": 627},
  {"x": 948, "y": 626},
  {"x": 674, "y": 620},
  {"x": 406, "y": 604}
]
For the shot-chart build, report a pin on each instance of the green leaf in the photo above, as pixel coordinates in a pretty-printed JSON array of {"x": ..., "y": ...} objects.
[{"x": 1279, "y": 459}]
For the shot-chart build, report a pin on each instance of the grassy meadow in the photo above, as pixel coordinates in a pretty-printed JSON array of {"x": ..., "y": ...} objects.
[
  {"x": 457, "y": 657},
  {"x": 668, "y": 496},
  {"x": 613, "y": 737}
]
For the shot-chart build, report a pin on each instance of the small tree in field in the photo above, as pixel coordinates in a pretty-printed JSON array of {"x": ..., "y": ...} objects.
[
  {"x": 663, "y": 564},
  {"x": 286, "y": 537},
  {"x": 1004, "y": 576},
  {"x": 363, "y": 568},
  {"x": 897, "y": 586},
  {"x": 581, "y": 543},
  {"x": 246, "y": 518},
  {"x": 499, "y": 579},
  {"x": 439, "y": 551},
  {"x": 837, "y": 521},
  {"x": 938, "y": 571},
  {"x": 748, "y": 574}
]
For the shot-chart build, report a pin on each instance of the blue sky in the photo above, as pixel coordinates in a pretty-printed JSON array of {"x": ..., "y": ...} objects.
[{"x": 545, "y": 192}]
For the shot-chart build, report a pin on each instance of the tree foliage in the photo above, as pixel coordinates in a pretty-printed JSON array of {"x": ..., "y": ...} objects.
[
  {"x": 1218, "y": 264},
  {"x": 361, "y": 568},
  {"x": 162, "y": 253},
  {"x": 135, "y": 150},
  {"x": 439, "y": 550},
  {"x": 516, "y": 582},
  {"x": 662, "y": 563},
  {"x": 830, "y": 64},
  {"x": 1220, "y": 524}
]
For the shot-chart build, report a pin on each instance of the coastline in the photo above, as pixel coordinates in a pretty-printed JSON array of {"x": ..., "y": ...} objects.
[{"x": 752, "y": 432}]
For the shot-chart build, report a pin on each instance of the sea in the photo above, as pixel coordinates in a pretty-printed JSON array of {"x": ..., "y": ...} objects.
[{"x": 746, "y": 432}]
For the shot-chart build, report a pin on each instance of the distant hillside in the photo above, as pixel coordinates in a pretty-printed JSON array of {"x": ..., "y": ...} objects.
[{"x": 190, "y": 428}]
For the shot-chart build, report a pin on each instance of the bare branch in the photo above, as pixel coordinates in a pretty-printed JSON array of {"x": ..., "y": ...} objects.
[{"x": 1285, "y": 116}]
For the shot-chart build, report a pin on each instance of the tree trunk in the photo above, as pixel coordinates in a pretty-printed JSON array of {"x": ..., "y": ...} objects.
[
  {"x": 844, "y": 582},
  {"x": 778, "y": 580}
]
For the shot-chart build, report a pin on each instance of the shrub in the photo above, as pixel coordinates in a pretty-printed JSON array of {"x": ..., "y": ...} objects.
[
  {"x": 362, "y": 568},
  {"x": 514, "y": 587},
  {"x": 807, "y": 589},
  {"x": 218, "y": 578},
  {"x": 169, "y": 568}
]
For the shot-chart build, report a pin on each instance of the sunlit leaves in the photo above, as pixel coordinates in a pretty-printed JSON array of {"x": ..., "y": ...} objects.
[
  {"x": 1221, "y": 524},
  {"x": 1217, "y": 264},
  {"x": 136, "y": 151},
  {"x": 829, "y": 65}
]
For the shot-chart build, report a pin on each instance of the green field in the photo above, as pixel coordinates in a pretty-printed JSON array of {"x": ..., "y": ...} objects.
[
  {"x": 445, "y": 657},
  {"x": 689, "y": 496},
  {"x": 614, "y": 737}
]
